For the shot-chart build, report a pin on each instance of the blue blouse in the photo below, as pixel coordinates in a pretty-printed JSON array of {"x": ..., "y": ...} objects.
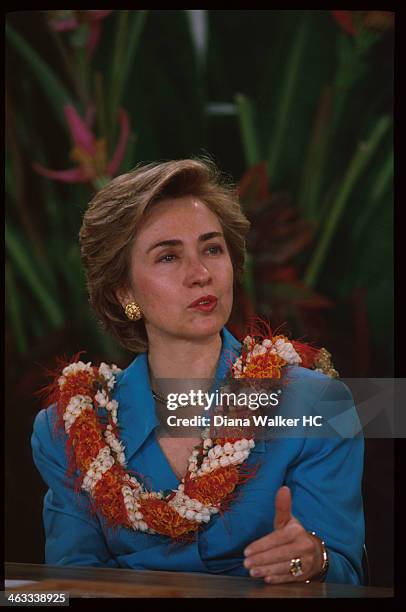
[{"x": 324, "y": 475}]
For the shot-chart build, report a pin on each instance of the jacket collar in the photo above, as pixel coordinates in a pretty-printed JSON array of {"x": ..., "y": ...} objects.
[{"x": 136, "y": 413}]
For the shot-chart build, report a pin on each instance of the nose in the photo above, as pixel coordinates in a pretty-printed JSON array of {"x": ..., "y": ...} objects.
[{"x": 197, "y": 273}]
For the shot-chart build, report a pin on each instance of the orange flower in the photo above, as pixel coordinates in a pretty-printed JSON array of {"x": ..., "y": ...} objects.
[
  {"x": 211, "y": 488},
  {"x": 164, "y": 519},
  {"x": 268, "y": 365}
]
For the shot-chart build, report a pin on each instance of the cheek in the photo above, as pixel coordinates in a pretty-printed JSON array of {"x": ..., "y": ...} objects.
[
  {"x": 154, "y": 293},
  {"x": 227, "y": 275}
]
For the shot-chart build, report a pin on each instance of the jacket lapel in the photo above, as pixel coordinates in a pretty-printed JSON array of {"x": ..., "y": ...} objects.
[{"x": 136, "y": 413}]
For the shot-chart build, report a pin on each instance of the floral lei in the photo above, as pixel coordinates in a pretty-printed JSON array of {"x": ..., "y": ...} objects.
[{"x": 215, "y": 467}]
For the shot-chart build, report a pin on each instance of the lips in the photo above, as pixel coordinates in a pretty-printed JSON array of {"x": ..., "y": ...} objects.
[{"x": 204, "y": 302}]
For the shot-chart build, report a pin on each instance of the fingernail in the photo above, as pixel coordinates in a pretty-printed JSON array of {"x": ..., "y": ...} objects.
[
  {"x": 247, "y": 563},
  {"x": 255, "y": 572},
  {"x": 247, "y": 552}
]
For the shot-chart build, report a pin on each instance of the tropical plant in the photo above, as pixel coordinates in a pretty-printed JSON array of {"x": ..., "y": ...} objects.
[{"x": 314, "y": 163}]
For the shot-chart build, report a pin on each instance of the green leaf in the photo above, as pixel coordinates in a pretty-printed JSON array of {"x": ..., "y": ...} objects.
[
  {"x": 136, "y": 29},
  {"x": 129, "y": 159},
  {"x": 52, "y": 86},
  {"x": 286, "y": 100},
  {"x": 358, "y": 163},
  {"x": 313, "y": 170},
  {"x": 377, "y": 191},
  {"x": 128, "y": 36},
  {"x": 24, "y": 263},
  {"x": 79, "y": 36},
  {"x": 248, "y": 130},
  {"x": 351, "y": 68}
]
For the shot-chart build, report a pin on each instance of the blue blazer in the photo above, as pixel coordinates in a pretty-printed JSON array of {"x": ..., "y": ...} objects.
[{"x": 324, "y": 475}]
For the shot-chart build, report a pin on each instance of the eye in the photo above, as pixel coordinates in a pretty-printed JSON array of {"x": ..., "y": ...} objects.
[
  {"x": 167, "y": 258},
  {"x": 215, "y": 249}
]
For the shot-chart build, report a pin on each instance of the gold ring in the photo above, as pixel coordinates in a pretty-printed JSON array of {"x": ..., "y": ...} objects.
[{"x": 296, "y": 567}]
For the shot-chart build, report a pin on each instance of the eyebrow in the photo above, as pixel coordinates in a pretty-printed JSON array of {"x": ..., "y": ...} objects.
[{"x": 177, "y": 242}]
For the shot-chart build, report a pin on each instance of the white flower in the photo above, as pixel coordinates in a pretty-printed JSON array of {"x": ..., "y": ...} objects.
[
  {"x": 103, "y": 462},
  {"x": 78, "y": 366},
  {"x": 101, "y": 398},
  {"x": 238, "y": 365},
  {"x": 105, "y": 370},
  {"x": 248, "y": 342},
  {"x": 239, "y": 445},
  {"x": 112, "y": 405},
  {"x": 217, "y": 451},
  {"x": 287, "y": 352},
  {"x": 76, "y": 404},
  {"x": 233, "y": 460}
]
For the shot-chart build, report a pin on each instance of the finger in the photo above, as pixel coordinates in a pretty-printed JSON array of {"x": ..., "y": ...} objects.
[
  {"x": 283, "y": 507},
  {"x": 279, "y": 572},
  {"x": 274, "y": 539},
  {"x": 276, "y": 570},
  {"x": 281, "y": 554}
]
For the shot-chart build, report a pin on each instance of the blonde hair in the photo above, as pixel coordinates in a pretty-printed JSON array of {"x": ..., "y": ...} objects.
[{"x": 110, "y": 224}]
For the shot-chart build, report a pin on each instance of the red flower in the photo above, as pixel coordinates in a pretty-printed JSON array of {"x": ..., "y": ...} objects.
[
  {"x": 67, "y": 21},
  {"x": 344, "y": 20},
  {"x": 378, "y": 21},
  {"x": 90, "y": 153}
]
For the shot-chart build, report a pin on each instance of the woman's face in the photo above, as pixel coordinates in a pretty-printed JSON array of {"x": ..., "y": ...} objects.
[{"x": 180, "y": 258}]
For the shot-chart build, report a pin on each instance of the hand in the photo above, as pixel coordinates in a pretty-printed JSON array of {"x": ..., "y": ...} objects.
[{"x": 270, "y": 556}]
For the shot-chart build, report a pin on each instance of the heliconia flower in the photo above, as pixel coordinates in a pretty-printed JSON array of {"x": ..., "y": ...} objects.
[
  {"x": 344, "y": 20},
  {"x": 370, "y": 20},
  {"x": 90, "y": 153},
  {"x": 67, "y": 21}
]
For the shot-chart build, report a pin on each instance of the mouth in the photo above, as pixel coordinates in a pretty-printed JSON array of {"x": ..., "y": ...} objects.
[{"x": 206, "y": 303}]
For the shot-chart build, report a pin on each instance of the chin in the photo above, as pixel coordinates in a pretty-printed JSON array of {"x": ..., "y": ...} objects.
[{"x": 206, "y": 326}]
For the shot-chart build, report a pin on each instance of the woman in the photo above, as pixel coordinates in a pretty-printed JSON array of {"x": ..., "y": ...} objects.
[{"x": 163, "y": 247}]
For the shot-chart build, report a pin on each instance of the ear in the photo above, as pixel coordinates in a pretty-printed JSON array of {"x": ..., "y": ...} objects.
[{"x": 124, "y": 296}]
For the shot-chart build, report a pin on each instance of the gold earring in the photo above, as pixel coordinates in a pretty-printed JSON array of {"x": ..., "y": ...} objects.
[{"x": 133, "y": 311}]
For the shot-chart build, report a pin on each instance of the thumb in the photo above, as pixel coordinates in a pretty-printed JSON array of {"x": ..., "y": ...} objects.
[{"x": 283, "y": 507}]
